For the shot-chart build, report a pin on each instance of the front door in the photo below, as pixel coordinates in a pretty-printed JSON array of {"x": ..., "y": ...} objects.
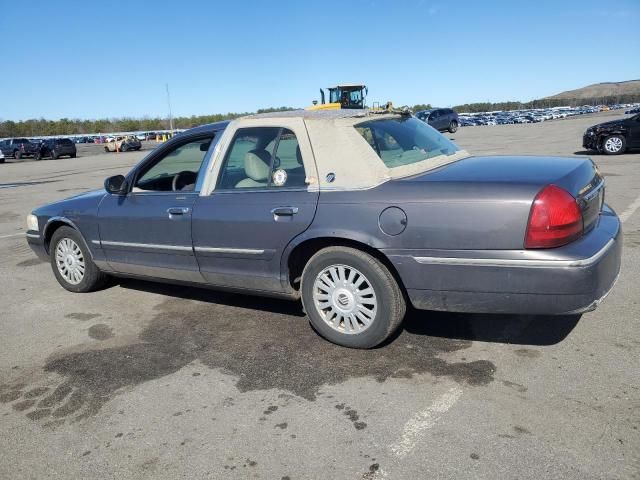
[
  {"x": 261, "y": 201},
  {"x": 148, "y": 231}
]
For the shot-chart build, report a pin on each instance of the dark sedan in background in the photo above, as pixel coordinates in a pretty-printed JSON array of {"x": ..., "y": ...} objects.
[
  {"x": 615, "y": 137},
  {"x": 55, "y": 148},
  {"x": 354, "y": 212},
  {"x": 442, "y": 119}
]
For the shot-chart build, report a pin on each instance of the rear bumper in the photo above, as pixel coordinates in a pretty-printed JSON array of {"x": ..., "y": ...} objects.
[{"x": 569, "y": 279}]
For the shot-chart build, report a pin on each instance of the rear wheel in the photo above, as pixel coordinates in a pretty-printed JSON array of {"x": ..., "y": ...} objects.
[
  {"x": 71, "y": 262},
  {"x": 17, "y": 154},
  {"x": 351, "y": 297},
  {"x": 613, "y": 145},
  {"x": 453, "y": 126},
  {"x": 54, "y": 155}
]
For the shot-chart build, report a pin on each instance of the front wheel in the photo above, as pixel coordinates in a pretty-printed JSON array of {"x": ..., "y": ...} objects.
[
  {"x": 17, "y": 154},
  {"x": 614, "y": 145},
  {"x": 453, "y": 126},
  {"x": 71, "y": 262},
  {"x": 351, "y": 298}
]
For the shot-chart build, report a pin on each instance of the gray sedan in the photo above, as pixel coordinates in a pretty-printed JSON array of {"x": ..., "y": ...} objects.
[{"x": 355, "y": 212}]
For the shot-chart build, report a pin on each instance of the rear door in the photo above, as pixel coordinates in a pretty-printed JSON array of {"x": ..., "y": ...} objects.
[
  {"x": 434, "y": 118},
  {"x": 261, "y": 201}
]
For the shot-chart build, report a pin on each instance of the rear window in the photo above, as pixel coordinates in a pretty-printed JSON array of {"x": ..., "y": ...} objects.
[
  {"x": 64, "y": 141},
  {"x": 405, "y": 140}
]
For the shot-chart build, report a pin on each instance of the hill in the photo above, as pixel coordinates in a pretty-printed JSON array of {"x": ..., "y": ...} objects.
[{"x": 600, "y": 90}]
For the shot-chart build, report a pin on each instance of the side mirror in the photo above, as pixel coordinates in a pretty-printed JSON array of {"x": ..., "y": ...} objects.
[{"x": 116, "y": 185}]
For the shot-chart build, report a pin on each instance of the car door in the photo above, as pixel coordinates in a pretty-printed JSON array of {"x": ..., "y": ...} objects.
[
  {"x": 634, "y": 132},
  {"x": 148, "y": 230},
  {"x": 434, "y": 119},
  {"x": 261, "y": 201}
]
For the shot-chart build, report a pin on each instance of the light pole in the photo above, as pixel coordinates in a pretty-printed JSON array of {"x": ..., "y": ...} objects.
[{"x": 169, "y": 103}]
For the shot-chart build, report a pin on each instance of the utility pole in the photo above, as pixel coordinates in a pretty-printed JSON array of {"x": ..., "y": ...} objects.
[{"x": 169, "y": 103}]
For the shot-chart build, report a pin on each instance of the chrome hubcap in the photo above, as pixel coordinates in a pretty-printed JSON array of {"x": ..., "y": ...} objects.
[
  {"x": 345, "y": 299},
  {"x": 70, "y": 261},
  {"x": 613, "y": 144}
]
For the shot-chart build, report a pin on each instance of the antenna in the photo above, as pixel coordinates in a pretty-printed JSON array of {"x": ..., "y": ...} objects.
[{"x": 169, "y": 103}]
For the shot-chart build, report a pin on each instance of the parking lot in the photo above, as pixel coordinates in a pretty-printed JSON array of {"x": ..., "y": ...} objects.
[{"x": 145, "y": 380}]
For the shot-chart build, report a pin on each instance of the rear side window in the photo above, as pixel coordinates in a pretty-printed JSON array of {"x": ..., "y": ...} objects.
[
  {"x": 263, "y": 158},
  {"x": 403, "y": 141}
]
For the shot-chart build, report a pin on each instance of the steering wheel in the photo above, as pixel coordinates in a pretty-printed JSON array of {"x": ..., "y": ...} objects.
[{"x": 183, "y": 179}]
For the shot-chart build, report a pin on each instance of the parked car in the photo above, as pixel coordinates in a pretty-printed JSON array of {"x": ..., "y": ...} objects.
[
  {"x": 354, "y": 212},
  {"x": 613, "y": 138},
  {"x": 17, "y": 148},
  {"x": 440, "y": 118},
  {"x": 123, "y": 144},
  {"x": 55, "y": 148},
  {"x": 1, "y": 157}
]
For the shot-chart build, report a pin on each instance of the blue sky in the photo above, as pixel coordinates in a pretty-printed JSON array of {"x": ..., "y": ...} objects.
[{"x": 79, "y": 60}]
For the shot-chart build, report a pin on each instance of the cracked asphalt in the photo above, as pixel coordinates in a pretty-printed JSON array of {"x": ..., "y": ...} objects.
[{"x": 146, "y": 380}]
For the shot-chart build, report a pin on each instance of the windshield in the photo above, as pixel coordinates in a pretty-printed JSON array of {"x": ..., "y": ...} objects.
[
  {"x": 405, "y": 140},
  {"x": 345, "y": 95}
]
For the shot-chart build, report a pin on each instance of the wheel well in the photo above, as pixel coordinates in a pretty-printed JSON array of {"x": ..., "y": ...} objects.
[
  {"x": 53, "y": 226},
  {"x": 302, "y": 253}
]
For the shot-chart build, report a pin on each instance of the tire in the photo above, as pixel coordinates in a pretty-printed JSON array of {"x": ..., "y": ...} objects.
[
  {"x": 73, "y": 252},
  {"x": 613, "y": 145},
  {"x": 106, "y": 149},
  {"x": 73, "y": 155},
  {"x": 2, "y": 160},
  {"x": 17, "y": 154},
  {"x": 37, "y": 156},
  {"x": 54, "y": 155},
  {"x": 341, "y": 263},
  {"x": 453, "y": 126},
  {"x": 124, "y": 148}
]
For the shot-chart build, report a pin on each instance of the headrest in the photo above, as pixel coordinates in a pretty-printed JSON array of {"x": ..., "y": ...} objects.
[{"x": 256, "y": 165}]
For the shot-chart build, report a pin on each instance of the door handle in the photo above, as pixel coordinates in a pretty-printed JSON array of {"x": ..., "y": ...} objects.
[
  {"x": 284, "y": 211},
  {"x": 177, "y": 211}
]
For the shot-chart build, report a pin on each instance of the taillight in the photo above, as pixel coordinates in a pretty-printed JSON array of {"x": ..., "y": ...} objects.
[{"x": 555, "y": 219}]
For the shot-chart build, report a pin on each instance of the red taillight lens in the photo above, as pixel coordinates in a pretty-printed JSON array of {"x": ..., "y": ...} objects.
[{"x": 555, "y": 219}]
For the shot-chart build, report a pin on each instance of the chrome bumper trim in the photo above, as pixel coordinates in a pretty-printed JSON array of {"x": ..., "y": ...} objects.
[{"x": 502, "y": 262}]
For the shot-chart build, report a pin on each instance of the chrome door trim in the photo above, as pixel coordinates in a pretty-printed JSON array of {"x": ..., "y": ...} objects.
[
  {"x": 154, "y": 246},
  {"x": 243, "y": 251},
  {"x": 503, "y": 262}
]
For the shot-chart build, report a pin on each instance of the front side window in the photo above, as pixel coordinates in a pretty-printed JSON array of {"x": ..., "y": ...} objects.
[
  {"x": 176, "y": 170},
  {"x": 405, "y": 140},
  {"x": 262, "y": 157}
]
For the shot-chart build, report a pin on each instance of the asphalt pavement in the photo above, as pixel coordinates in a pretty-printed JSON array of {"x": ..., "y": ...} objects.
[{"x": 145, "y": 380}]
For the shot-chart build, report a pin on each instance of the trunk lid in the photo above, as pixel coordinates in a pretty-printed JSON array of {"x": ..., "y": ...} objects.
[{"x": 577, "y": 175}]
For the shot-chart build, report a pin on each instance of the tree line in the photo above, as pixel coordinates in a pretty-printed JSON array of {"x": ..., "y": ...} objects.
[{"x": 67, "y": 126}]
